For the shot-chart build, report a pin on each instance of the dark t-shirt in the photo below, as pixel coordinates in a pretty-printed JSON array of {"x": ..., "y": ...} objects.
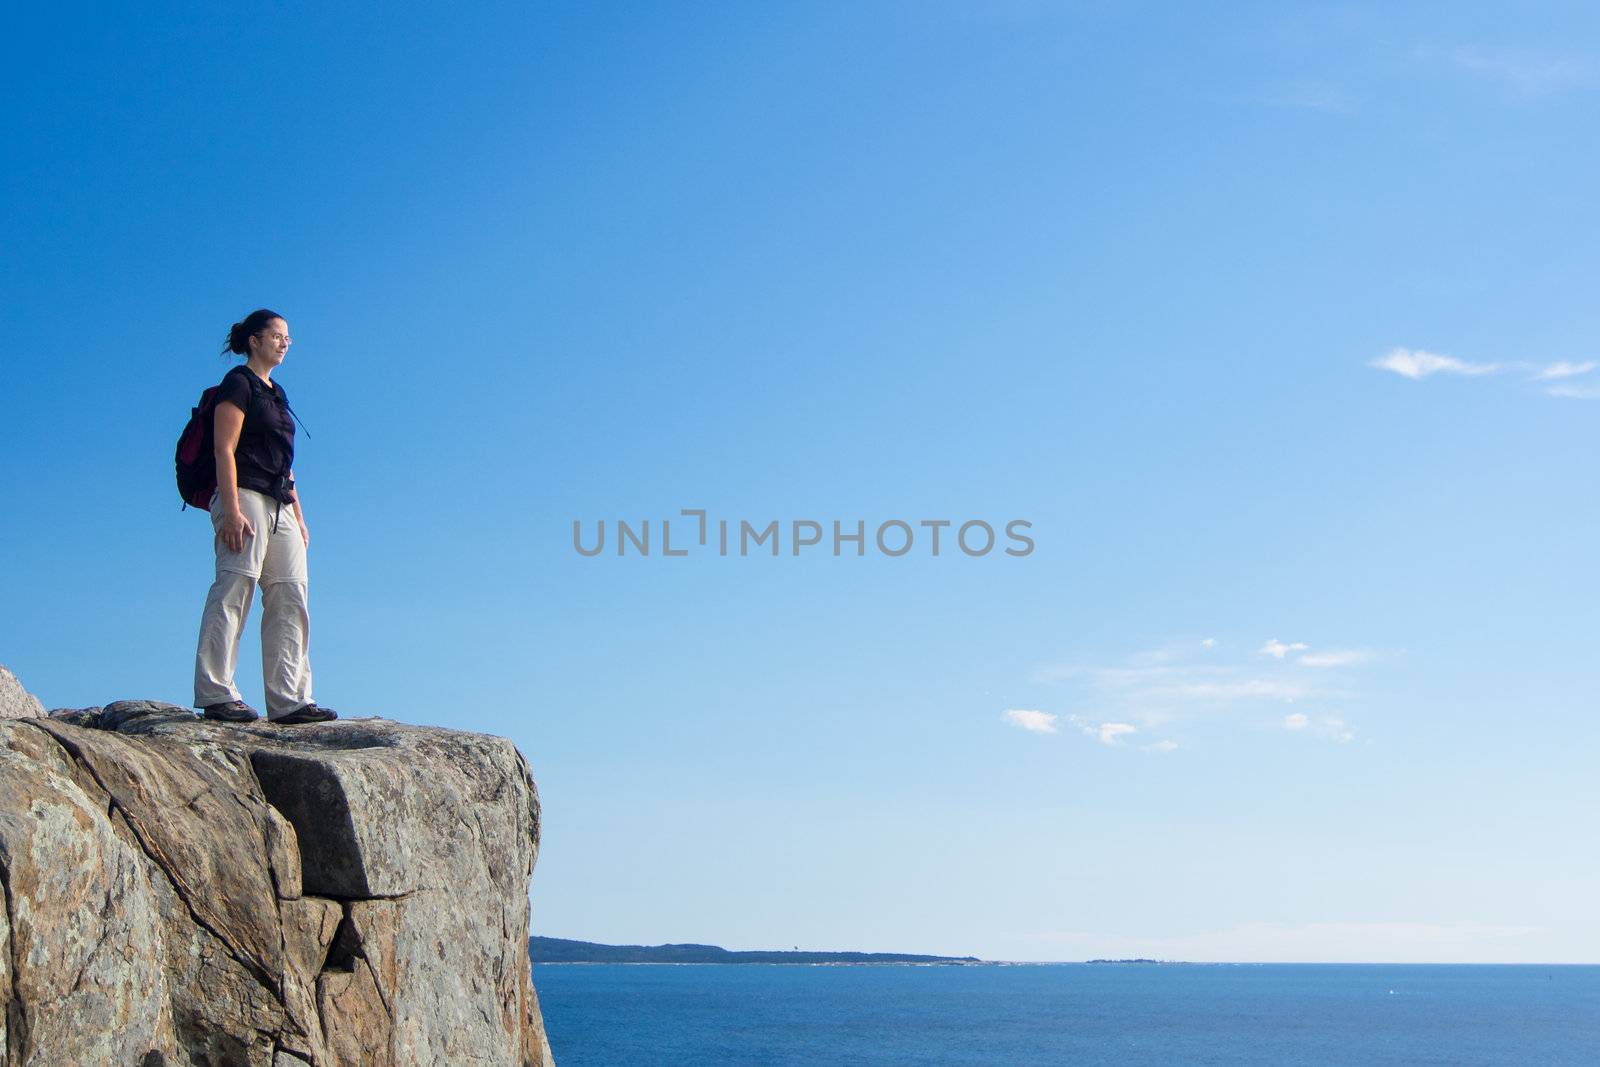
[{"x": 266, "y": 443}]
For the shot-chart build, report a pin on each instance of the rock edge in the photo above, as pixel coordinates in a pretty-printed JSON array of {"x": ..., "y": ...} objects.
[{"x": 181, "y": 892}]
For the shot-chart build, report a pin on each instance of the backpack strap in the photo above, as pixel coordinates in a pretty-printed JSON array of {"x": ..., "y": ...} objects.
[
  {"x": 235, "y": 370},
  {"x": 296, "y": 417}
]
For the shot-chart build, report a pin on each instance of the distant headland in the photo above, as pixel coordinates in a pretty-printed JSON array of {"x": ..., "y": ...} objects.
[{"x": 561, "y": 950}]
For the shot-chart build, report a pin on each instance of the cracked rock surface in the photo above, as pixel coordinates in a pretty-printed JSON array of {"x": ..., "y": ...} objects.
[
  {"x": 181, "y": 893},
  {"x": 15, "y": 701}
]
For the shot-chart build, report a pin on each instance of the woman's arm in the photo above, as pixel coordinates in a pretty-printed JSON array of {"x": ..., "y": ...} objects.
[{"x": 226, "y": 427}]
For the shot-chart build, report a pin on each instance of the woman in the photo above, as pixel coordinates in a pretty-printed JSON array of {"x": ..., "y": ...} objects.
[{"x": 261, "y": 538}]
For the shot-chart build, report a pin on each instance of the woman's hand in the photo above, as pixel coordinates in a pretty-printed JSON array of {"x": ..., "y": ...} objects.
[
  {"x": 305, "y": 534},
  {"x": 235, "y": 528}
]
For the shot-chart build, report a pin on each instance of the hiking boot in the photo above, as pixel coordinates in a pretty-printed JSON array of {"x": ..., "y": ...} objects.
[
  {"x": 231, "y": 711},
  {"x": 309, "y": 713}
]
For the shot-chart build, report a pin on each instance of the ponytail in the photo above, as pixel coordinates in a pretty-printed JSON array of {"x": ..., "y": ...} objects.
[{"x": 239, "y": 335}]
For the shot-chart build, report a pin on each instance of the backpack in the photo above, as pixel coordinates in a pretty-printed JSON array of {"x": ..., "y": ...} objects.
[{"x": 197, "y": 461}]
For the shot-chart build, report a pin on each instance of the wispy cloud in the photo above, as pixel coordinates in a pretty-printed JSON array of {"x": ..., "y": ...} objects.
[
  {"x": 1110, "y": 731},
  {"x": 1341, "y": 658},
  {"x": 1528, "y": 73},
  {"x": 1039, "y": 722},
  {"x": 1106, "y": 733},
  {"x": 1574, "y": 392},
  {"x": 1565, "y": 370},
  {"x": 1242, "y": 689},
  {"x": 1154, "y": 693},
  {"x": 1417, "y": 364},
  {"x": 1312, "y": 96},
  {"x": 1327, "y": 727}
]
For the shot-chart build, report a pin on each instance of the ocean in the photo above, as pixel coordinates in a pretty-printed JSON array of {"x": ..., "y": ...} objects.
[{"x": 700, "y": 1015}]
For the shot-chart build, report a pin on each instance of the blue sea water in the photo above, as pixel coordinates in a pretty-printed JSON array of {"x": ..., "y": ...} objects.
[{"x": 621, "y": 1015}]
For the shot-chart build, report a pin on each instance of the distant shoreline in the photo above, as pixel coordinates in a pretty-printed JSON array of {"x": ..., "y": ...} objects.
[
  {"x": 777, "y": 963},
  {"x": 548, "y": 950},
  {"x": 544, "y": 951},
  {"x": 959, "y": 962},
  {"x": 552, "y": 950},
  {"x": 952, "y": 962}
]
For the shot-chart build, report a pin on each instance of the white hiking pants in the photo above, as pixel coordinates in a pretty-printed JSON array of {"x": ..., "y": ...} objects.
[{"x": 275, "y": 560}]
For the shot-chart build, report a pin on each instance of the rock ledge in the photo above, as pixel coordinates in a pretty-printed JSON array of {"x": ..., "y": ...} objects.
[{"x": 181, "y": 892}]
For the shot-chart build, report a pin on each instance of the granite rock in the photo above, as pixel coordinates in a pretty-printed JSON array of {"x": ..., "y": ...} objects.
[
  {"x": 15, "y": 701},
  {"x": 184, "y": 893}
]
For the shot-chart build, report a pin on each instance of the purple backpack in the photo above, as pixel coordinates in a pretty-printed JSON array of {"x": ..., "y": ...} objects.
[{"x": 197, "y": 462}]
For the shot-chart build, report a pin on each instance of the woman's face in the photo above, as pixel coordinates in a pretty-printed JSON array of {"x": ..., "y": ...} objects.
[{"x": 271, "y": 343}]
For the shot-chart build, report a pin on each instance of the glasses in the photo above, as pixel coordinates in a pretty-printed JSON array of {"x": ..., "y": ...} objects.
[{"x": 274, "y": 335}]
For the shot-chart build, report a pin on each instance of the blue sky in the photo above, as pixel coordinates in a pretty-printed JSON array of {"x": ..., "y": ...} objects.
[{"x": 1276, "y": 322}]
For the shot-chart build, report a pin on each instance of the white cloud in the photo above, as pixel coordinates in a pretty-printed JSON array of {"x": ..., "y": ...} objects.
[
  {"x": 1565, "y": 370},
  {"x": 1529, "y": 73},
  {"x": 1327, "y": 727},
  {"x": 1114, "y": 678},
  {"x": 1104, "y": 732},
  {"x": 1247, "y": 689},
  {"x": 1337, "y": 730},
  {"x": 1039, "y": 722},
  {"x": 1165, "y": 745},
  {"x": 1155, "y": 694},
  {"x": 1110, "y": 679},
  {"x": 1110, "y": 731},
  {"x": 1333, "y": 659},
  {"x": 1574, "y": 392},
  {"x": 1417, "y": 364}
]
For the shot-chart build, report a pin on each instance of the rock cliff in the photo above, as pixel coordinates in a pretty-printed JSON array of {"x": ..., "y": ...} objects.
[
  {"x": 15, "y": 701},
  {"x": 184, "y": 893}
]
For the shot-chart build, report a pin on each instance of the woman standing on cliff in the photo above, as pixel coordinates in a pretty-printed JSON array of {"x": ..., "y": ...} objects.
[{"x": 261, "y": 538}]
